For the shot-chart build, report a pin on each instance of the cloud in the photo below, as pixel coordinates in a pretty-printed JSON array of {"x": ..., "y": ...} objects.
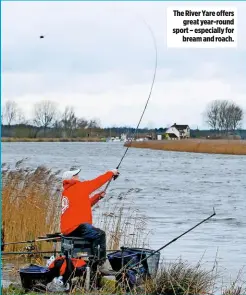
[
  {"x": 99, "y": 57},
  {"x": 117, "y": 101}
]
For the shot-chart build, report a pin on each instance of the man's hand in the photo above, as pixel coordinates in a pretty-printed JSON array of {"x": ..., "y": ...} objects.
[
  {"x": 116, "y": 173},
  {"x": 102, "y": 195}
]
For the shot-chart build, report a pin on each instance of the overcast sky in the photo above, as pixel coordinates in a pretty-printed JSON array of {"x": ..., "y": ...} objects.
[{"x": 99, "y": 57}]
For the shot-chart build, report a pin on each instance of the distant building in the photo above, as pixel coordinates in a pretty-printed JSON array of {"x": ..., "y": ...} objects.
[
  {"x": 123, "y": 137},
  {"x": 178, "y": 131}
]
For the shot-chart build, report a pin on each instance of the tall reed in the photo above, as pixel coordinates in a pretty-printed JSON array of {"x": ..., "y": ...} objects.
[
  {"x": 123, "y": 226},
  {"x": 231, "y": 147},
  {"x": 30, "y": 203}
]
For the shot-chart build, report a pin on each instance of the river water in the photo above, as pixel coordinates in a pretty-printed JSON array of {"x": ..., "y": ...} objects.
[{"x": 174, "y": 190}]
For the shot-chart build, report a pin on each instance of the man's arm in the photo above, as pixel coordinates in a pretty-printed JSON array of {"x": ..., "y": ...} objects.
[
  {"x": 94, "y": 184},
  {"x": 94, "y": 199}
]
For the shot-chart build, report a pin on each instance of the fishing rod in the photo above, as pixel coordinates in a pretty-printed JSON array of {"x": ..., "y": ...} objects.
[
  {"x": 28, "y": 253},
  {"x": 172, "y": 241},
  {"x": 31, "y": 241},
  {"x": 39, "y": 252},
  {"x": 145, "y": 107}
]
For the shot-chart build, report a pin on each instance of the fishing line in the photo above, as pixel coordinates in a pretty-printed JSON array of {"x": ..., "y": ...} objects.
[{"x": 146, "y": 104}]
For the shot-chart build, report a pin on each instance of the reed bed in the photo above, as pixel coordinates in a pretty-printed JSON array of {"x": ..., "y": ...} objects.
[
  {"x": 30, "y": 204},
  {"x": 230, "y": 147}
]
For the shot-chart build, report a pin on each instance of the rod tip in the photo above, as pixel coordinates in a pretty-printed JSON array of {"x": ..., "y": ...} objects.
[{"x": 214, "y": 211}]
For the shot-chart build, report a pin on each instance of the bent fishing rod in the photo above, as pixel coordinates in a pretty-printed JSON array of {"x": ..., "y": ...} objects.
[{"x": 145, "y": 107}]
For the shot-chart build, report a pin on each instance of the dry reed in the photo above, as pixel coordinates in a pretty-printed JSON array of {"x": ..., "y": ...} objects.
[
  {"x": 180, "y": 278},
  {"x": 123, "y": 226},
  {"x": 231, "y": 147},
  {"x": 30, "y": 204},
  {"x": 236, "y": 287}
]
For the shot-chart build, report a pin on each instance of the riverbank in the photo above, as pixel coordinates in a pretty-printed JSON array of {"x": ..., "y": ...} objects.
[
  {"x": 230, "y": 147},
  {"x": 176, "y": 278},
  {"x": 79, "y": 139},
  {"x": 24, "y": 214}
]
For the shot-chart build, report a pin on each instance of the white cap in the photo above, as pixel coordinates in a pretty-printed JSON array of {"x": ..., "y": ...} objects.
[{"x": 69, "y": 174}]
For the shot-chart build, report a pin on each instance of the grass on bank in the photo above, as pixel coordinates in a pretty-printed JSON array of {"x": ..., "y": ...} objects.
[
  {"x": 231, "y": 147},
  {"x": 182, "y": 278}
]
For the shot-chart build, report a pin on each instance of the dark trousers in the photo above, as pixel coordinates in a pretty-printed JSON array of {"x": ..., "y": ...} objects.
[
  {"x": 2, "y": 240},
  {"x": 91, "y": 233}
]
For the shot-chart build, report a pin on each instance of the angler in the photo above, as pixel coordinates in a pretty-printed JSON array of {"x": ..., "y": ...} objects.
[{"x": 76, "y": 215}]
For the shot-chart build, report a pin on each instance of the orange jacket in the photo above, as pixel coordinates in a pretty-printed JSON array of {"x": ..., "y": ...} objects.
[
  {"x": 76, "y": 262},
  {"x": 76, "y": 201}
]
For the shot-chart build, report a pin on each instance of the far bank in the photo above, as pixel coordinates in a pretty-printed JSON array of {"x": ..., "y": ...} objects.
[
  {"x": 230, "y": 147},
  {"x": 47, "y": 139}
]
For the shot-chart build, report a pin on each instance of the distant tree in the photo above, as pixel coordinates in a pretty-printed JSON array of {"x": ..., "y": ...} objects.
[
  {"x": 21, "y": 119},
  {"x": 44, "y": 114},
  {"x": 95, "y": 123},
  {"x": 223, "y": 115},
  {"x": 212, "y": 114},
  {"x": 57, "y": 125},
  {"x": 10, "y": 112},
  {"x": 82, "y": 123},
  {"x": 94, "y": 126},
  {"x": 69, "y": 121},
  {"x": 235, "y": 116}
]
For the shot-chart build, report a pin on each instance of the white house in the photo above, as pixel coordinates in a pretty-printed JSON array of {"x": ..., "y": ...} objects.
[{"x": 178, "y": 131}]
